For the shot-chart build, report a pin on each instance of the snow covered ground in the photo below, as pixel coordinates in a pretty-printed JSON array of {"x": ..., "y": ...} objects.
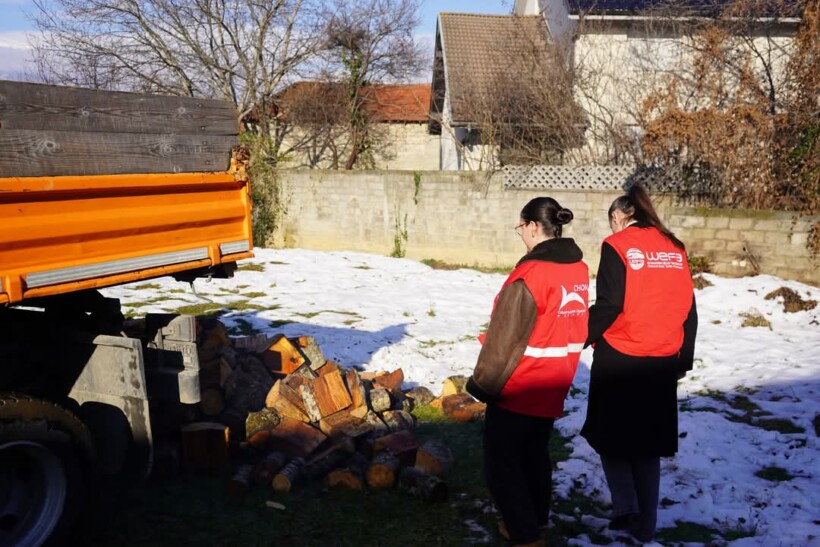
[{"x": 749, "y": 455}]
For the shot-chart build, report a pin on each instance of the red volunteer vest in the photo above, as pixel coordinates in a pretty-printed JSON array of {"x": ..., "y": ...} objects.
[
  {"x": 540, "y": 382},
  {"x": 657, "y": 297}
]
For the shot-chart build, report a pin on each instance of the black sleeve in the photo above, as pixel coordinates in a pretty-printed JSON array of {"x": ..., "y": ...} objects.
[
  {"x": 690, "y": 330},
  {"x": 610, "y": 288}
]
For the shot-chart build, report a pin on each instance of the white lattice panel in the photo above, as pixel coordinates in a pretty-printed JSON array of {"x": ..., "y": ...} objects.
[{"x": 584, "y": 177}]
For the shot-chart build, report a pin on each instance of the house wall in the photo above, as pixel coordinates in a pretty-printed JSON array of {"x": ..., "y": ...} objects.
[
  {"x": 399, "y": 146},
  {"x": 468, "y": 218}
]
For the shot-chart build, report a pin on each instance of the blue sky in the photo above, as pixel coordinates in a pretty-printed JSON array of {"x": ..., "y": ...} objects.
[{"x": 12, "y": 12}]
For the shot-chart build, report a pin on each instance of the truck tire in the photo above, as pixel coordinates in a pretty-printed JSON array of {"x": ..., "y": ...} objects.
[{"x": 46, "y": 457}]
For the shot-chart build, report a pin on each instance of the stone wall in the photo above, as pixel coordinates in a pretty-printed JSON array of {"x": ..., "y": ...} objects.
[{"x": 467, "y": 218}]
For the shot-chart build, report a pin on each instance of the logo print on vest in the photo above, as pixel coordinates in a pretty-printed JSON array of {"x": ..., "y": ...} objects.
[
  {"x": 635, "y": 258},
  {"x": 567, "y": 297}
]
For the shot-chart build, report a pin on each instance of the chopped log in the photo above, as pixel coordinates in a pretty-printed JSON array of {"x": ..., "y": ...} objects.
[
  {"x": 327, "y": 368},
  {"x": 289, "y": 476},
  {"x": 355, "y": 387},
  {"x": 303, "y": 371},
  {"x": 248, "y": 385},
  {"x": 211, "y": 402},
  {"x": 282, "y": 356},
  {"x": 240, "y": 483},
  {"x": 324, "y": 396},
  {"x": 379, "y": 427},
  {"x": 401, "y": 444},
  {"x": 380, "y": 399},
  {"x": 352, "y": 476},
  {"x": 383, "y": 470},
  {"x": 329, "y": 459},
  {"x": 391, "y": 381},
  {"x": 369, "y": 376},
  {"x": 436, "y": 403},
  {"x": 360, "y": 412},
  {"x": 255, "y": 343},
  {"x": 268, "y": 467},
  {"x": 286, "y": 402},
  {"x": 294, "y": 438},
  {"x": 434, "y": 458},
  {"x": 398, "y": 420},
  {"x": 420, "y": 395},
  {"x": 453, "y": 385},
  {"x": 258, "y": 426},
  {"x": 205, "y": 446},
  {"x": 422, "y": 485},
  {"x": 462, "y": 407},
  {"x": 344, "y": 424},
  {"x": 310, "y": 350},
  {"x": 403, "y": 403}
]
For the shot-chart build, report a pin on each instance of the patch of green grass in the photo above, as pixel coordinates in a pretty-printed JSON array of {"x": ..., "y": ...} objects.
[
  {"x": 277, "y": 263},
  {"x": 177, "y": 291},
  {"x": 431, "y": 312},
  {"x": 147, "y": 302},
  {"x": 228, "y": 291},
  {"x": 774, "y": 473},
  {"x": 716, "y": 321},
  {"x": 279, "y": 322},
  {"x": 441, "y": 265},
  {"x": 362, "y": 267},
  {"x": 254, "y": 294},
  {"x": 146, "y": 286},
  {"x": 685, "y": 532},
  {"x": 250, "y": 267},
  {"x": 206, "y": 308},
  {"x": 312, "y": 314},
  {"x": 244, "y": 305},
  {"x": 781, "y": 425}
]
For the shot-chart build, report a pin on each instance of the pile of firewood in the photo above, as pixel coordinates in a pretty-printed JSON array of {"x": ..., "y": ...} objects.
[{"x": 303, "y": 418}]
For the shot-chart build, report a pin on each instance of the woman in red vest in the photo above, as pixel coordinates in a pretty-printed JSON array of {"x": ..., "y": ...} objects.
[
  {"x": 526, "y": 365},
  {"x": 643, "y": 326}
]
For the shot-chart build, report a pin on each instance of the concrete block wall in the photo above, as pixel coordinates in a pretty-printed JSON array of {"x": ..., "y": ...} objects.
[{"x": 468, "y": 218}]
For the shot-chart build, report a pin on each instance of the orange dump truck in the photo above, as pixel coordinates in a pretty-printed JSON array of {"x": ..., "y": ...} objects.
[{"x": 98, "y": 189}]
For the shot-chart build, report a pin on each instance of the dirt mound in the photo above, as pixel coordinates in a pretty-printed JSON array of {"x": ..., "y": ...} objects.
[{"x": 792, "y": 303}]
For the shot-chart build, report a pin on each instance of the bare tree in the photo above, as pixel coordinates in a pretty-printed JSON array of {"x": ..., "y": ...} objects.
[
  {"x": 370, "y": 42},
  {"x": 743, "y": 102},
  {"x": 241, "y": 50}
]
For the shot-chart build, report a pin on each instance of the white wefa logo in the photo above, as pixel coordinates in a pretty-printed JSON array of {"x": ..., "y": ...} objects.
[{"x": 654, "y": 259}]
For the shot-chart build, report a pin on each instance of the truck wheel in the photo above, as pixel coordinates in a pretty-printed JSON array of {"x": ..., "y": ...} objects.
[{"x": 45, "y": 461}]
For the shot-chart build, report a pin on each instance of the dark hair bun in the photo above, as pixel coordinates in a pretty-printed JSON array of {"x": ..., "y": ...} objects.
[{"x": 563, "y": 216}]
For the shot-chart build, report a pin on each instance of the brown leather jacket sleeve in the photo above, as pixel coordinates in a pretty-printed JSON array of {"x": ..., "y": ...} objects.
[{"x": 510, "y": 327}]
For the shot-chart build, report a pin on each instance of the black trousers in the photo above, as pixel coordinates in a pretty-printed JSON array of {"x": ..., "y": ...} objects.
[{"x": 518, "y": 470}]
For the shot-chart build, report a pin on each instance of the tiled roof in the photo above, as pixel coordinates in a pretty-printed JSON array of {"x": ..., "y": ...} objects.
[
  {"x": 388, "y": 103},
  {"x": 478, "y": 49}
]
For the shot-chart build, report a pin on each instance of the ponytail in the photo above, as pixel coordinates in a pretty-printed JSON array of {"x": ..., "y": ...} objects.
[{"x": 637, "y": 206}]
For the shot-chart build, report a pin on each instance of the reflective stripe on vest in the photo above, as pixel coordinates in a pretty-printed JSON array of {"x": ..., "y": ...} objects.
[{"x": 554, "y": 351}]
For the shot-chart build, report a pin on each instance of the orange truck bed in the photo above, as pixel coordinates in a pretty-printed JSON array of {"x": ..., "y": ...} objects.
[{"x": 67, "y": 226}]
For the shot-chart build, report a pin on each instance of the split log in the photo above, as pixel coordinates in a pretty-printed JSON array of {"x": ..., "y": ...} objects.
[
  {"x": 211, "y": 402},
  {"x": 255, "y": 343},
  {"x": 328, "y": 367},
  {"x": 369, "y": 376},
  {"x": 240, "y": 483},
  {"x": 268, "y": 467},
  {"x": 258, "y": 426},
  {"x": 391, "y": 381},
  {"x": 287, "y": 402},
  {"x": 420, "y": 395},
  {"x": 343, "y": 424},
  {"x": 401, "y": 444},
  {"x": 352, "y": 476},
  {"x": 355, "y": 387},
  {"x": 422, "y": 485},
  {"x": 289, "y": 476},
  {"x": 250, "y": 382},
  {"x": 462, "y": 407},
  {"x": 453, "y": 385},
  {"x": 324, "y": 396},
  {"x": 205, "y": 446},
  {"x": 294, "y": 438},
  {"x": 398, "y": 420},
  {"x": 303, "y": 371},
  {"x": 379, "y": 427},
  {"x": 310, "y": 350},
  {"x": 329, "y": 459},
  {"x": 434, "y": 458},
  {"x": 380, "y": 399},
  {"x": 383, "y": 470},
  {"x": 282, "y": 355}
]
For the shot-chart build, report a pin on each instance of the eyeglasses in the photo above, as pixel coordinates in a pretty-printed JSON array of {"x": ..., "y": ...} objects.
[{"x": 520, "y": 228}]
